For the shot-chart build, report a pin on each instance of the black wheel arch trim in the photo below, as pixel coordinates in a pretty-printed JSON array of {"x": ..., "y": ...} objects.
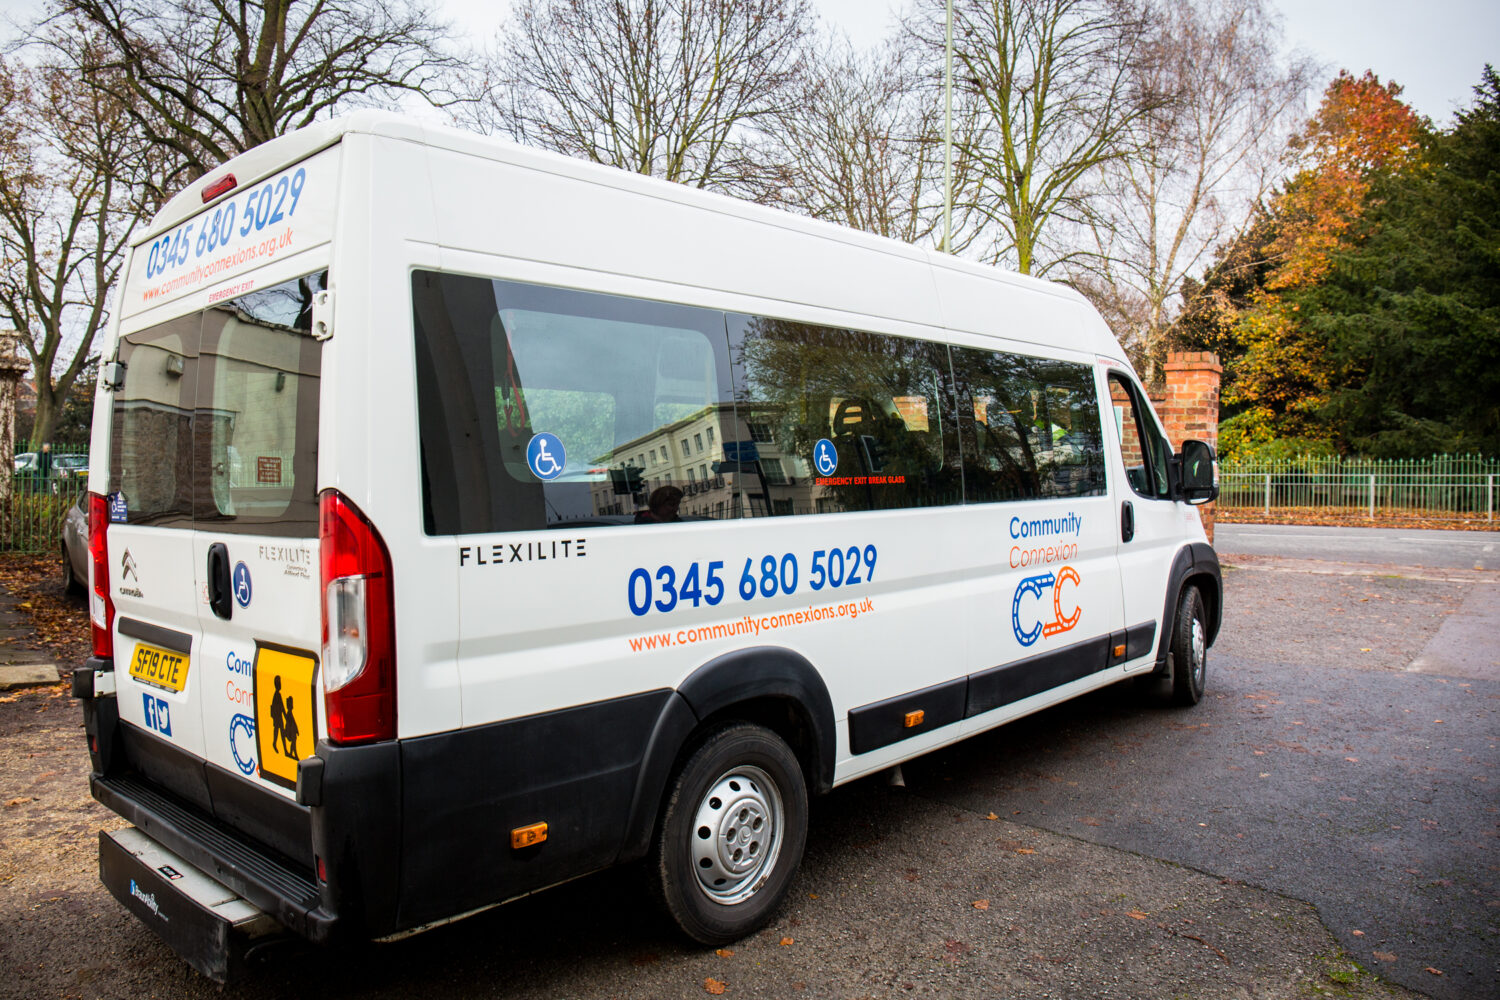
[
  {"x": 1197, "y": 563},
  {"x": 769, "y": 672},
  {"x": 736, "y": 678}
]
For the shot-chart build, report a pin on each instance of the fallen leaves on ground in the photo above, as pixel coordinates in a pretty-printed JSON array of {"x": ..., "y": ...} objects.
[
  {"x": 786, "y": 941},
  {"x": 725, "y": 952},
  {"x": 1359, "y": 518},
  {"x": 60, "y": 624},
  {"x": 713, "y": 986},
  {"x": 1384, "y": 956},
  {"x": 981, "y": 904}
]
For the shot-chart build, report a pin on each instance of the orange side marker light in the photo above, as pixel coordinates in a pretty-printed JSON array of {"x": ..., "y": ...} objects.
[
  {"x": 1120, "y": 650},
  {"x": 914, "y": 718},
  {"x": 528, "y": 836}
]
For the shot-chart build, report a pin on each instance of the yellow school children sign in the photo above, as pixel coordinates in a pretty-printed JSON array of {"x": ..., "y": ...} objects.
[{"x": 285, "y": 717}]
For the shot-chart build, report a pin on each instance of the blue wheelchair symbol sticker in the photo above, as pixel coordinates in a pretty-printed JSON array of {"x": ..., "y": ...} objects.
[
  {"x": 545, "y": 456},
  {"x": 242, "y": 584},
  {"x": 825, "y": 457}
]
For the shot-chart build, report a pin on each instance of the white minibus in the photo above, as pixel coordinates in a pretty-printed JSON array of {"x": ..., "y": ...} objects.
[{"x": 466, "y": 519}]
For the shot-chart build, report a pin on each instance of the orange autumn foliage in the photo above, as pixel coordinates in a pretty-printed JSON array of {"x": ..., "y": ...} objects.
[
  {"x": 1285, "y": 376},
  {"x": 1361, "y": 127}
]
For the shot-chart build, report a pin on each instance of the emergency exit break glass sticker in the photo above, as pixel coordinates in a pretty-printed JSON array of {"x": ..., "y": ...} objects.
[{"x": 285, "y": 721}]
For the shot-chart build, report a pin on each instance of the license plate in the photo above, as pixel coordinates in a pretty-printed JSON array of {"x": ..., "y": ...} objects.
[{"x": 159, "y": 667}]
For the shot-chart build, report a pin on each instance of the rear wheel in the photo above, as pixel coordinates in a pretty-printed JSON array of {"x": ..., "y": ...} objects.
[{"x": 731, "y": 834}]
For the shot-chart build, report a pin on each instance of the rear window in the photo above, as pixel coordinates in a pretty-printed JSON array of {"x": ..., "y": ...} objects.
[{"x": 216, "y": 422}]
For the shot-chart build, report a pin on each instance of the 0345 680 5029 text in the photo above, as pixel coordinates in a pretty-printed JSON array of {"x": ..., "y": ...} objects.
[{"x": 703, "y": 583}]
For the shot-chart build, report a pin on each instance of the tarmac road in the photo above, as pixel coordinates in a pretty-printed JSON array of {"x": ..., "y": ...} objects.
[
  {"x": 1397, "y": 546},
  {"x": 1368, "y": 791}
]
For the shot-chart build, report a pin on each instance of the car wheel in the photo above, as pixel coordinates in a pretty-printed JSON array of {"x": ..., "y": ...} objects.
[
  {"x": 731, "y": 834},
  {"x": 70, "y": 582},
  {"x": 1189, "y": 649}
]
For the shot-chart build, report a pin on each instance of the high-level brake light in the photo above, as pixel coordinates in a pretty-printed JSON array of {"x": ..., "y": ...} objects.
[{"x": 223, "y": 185}]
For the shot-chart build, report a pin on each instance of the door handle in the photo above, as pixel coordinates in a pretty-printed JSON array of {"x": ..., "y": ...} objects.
[
  {"x": 1127, "y": 522},
  {"x": 220, "y": 598}
]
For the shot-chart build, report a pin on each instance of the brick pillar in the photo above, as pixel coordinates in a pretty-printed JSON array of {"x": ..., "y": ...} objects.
[{"x": 1191, "y": 407}]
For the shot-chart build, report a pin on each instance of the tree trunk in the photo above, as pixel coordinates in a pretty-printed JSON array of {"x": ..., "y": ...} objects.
[{"x": 46, "y": 415}]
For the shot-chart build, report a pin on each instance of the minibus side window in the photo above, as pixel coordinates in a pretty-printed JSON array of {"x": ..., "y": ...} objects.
[
  {"x": 834, "y": 420},
  {"x": 1030, "y": 427},
  {"x": 537, "y": 406}
]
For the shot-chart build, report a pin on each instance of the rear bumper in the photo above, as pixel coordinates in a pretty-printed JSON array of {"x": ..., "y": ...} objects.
[
  {"x": 290, "y": 894},
  {"x": 395, "y": 836},
  {"x": 213, "y": 929},
  {"x": 254, "y": 841}
]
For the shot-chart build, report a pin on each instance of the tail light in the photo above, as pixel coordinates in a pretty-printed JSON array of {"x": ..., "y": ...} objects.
[
  {"x": 101, "y": 608},
  {"x": 359, "y": 624}
]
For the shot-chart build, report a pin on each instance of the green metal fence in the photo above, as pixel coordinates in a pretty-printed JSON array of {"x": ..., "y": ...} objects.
[
  {"x": 1443, "y": 486},
  {"x": 43, "y": 486}
]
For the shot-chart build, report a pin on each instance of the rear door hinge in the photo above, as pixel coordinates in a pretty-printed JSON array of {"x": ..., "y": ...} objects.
[
  {"x": 322, "y": 315},
  {"x": 104, "y": 683}
]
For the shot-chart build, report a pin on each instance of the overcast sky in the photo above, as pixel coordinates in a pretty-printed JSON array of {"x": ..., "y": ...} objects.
[{"x": 1435, "y": 49}]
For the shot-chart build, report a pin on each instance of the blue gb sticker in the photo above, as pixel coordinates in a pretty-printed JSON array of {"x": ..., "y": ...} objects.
[
  {"x": 545, "y": 456},
  {"x": 117, "y": 509},
  {"x": 242, "y": 584},
  {"x": 825, "y": 457}
]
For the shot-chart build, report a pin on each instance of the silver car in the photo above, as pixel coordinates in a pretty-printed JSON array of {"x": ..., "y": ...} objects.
[{"x": 75, "y": 547}]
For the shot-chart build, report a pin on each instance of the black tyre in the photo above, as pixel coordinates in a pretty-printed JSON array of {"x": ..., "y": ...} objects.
[
  {"x": 70, "y": 582},
  {"x": 731, "y": 834},
  {"x": 1189, "y": 649}
]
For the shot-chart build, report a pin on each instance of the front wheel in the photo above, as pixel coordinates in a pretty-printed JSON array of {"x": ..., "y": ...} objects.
[
  {"x": 1189, "y": 649},
  {"x": 731, "y": 834}
]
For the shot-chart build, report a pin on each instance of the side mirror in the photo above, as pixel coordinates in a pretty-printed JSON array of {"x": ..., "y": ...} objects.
[{"x": 1200, "y": 473}]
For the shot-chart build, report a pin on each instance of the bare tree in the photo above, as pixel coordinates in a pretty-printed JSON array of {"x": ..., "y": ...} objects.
[
  {"x": 208, "y": 79},
  {"x": 75, "y": 179},
  {"x": 1212, "y": 155},
  {"x": 671, "y": 88},
  {"x": 863, "y": 147},
  {"x": 1053, "y": 91}
]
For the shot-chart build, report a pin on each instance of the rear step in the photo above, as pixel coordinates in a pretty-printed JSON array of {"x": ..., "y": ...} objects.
[
  {"x": 267, "y": 881},
  {"x": 212, "y": 928}
]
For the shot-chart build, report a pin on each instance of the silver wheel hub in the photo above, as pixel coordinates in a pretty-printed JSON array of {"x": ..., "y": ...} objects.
[
  {"x": 1200, "y": 651},
  {"x": 736, "y": 834}
]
